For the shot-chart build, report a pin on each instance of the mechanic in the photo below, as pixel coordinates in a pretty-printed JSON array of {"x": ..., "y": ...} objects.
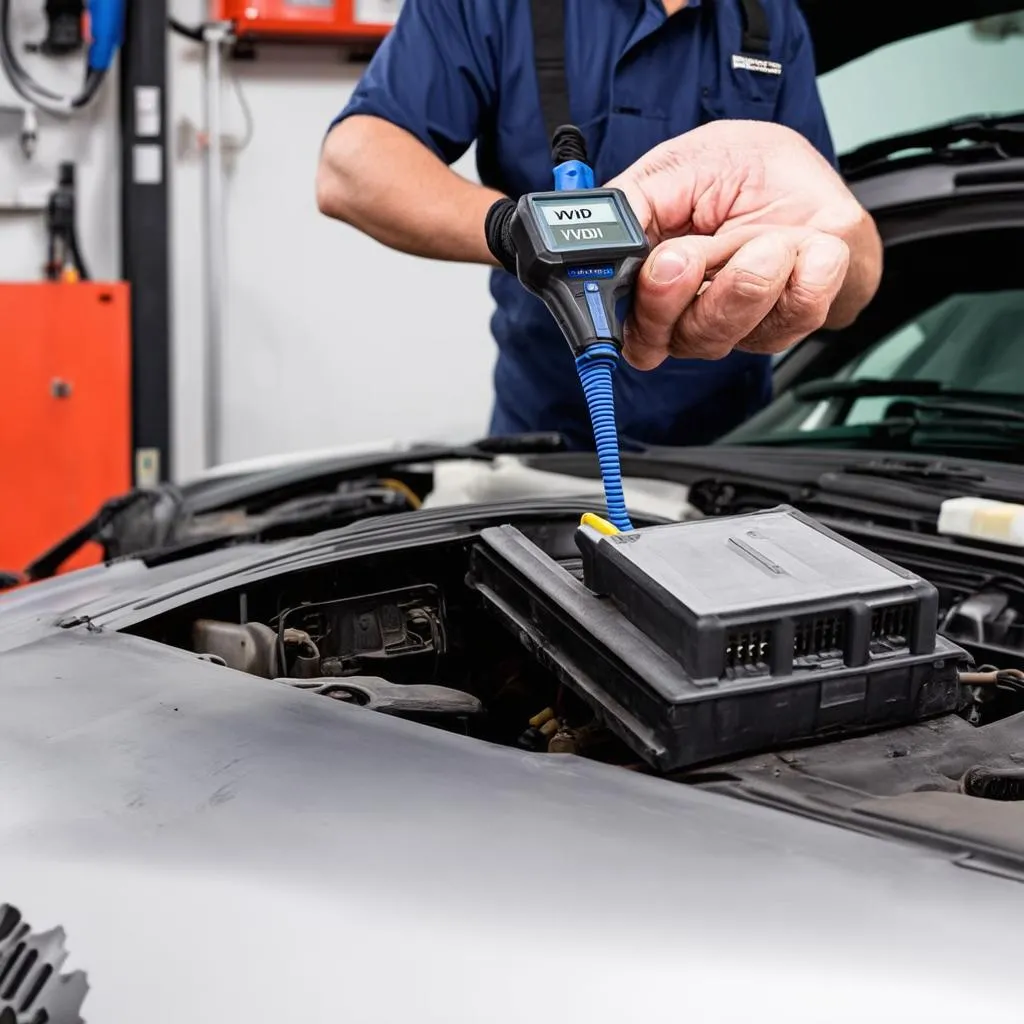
[{"x": 791, "y": 249}]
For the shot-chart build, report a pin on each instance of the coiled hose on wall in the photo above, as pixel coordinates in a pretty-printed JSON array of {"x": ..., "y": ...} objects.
[{"x": 106, "y": 20}]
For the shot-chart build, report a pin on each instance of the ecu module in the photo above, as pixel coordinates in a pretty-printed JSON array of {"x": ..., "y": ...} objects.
[{"x": 717, "y": 638}]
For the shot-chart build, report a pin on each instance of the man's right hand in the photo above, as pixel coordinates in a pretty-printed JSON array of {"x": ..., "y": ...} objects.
[{"x": 757, "y": 243}]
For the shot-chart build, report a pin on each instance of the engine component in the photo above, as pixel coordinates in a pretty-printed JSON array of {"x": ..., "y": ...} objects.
[
  {"x": 542, "y": 729},
  {"x": 563, "y": 742},
  {"x": 998, "y": 522},
  {"x": 994, "y": 783},
  {"x": 721, "y": 637},
  {"x": 424, "y": 702},
  {"x": 257, "y": 649},
  {"x": 32, "y": 988},
  {"x": 301, "y": 654},
  {"x": 987, "y": 617},
  {"x": 354, "y": 632},
  {"x": 248, "y": 648}
]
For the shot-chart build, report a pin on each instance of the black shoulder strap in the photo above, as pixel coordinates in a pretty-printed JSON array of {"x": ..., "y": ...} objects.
[
  {"x": 549, "y": 59},
  {"x": 548, "y": 18},
  {"x": 757, "y": 34}
]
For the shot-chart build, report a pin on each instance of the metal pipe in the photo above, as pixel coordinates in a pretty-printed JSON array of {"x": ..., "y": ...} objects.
[{"x": 214, "y": 37}]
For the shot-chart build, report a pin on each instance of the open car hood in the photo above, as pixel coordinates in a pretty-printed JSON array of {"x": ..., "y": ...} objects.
[{"x": 843, "y": 34}]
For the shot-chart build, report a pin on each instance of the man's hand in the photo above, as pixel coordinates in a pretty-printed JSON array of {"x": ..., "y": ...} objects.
[{"x": 757, "y": 243}]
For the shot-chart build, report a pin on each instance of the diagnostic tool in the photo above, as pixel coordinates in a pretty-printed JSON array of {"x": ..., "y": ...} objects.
[
  {"x": 579, "y": 249},
  {"x": 580, "y": 252}
]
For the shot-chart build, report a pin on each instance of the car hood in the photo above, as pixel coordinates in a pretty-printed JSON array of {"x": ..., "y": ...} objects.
[
  {"x": 841, "y": 35},
  {"x": 227, "y": 849}
]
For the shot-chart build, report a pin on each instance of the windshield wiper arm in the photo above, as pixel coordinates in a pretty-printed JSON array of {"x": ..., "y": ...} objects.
[
  {"x": 922, "y": 470},
  {"x": 922, "y": 396},
  {"x": 959, "y": 410},
  {"x": 1005, "y": 134},
  {"x": 871, "y": 387}
]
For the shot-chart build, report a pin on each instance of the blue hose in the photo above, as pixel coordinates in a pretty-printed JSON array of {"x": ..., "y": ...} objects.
[{"x": 596, "y": 364}]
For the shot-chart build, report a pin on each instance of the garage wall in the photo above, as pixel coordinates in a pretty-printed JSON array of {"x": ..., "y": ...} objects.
[
  {"x": 318, "y": 351},
  {"x": 90, "y": 140},
  {"x": 331, "y": 338}
]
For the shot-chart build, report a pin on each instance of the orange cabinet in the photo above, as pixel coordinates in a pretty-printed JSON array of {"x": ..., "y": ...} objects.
[
  {"x": 308, "y": 19},
  {"x": 65, "y": 411}
]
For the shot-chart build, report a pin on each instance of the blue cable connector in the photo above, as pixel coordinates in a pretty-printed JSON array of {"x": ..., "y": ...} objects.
[
  {"x": 596, "y": 367},
  {"x": 573, "y": 174}
]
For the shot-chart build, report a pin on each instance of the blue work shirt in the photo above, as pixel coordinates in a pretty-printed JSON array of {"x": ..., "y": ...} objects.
[{"x": 454, "y": 72}]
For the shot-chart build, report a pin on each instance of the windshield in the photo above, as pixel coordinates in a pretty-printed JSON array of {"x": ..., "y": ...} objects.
[
  {"x": 961, "y": 71},
  {"x": 951, "y": 375}
]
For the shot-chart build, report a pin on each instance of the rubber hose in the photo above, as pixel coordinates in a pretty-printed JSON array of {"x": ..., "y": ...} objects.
[
  {"x": 596, "y": 365},
  {"x": 195, "y": 33}
]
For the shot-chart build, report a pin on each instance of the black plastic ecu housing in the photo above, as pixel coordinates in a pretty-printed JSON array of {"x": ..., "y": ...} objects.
[{"x": 718, "y": 638}]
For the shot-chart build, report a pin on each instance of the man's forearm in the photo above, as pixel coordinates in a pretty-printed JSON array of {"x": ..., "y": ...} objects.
[{"x": 383, "y": 181}]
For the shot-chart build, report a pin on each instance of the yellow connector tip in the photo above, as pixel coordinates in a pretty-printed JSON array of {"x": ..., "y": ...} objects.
[{"x": 599, "y": 524}]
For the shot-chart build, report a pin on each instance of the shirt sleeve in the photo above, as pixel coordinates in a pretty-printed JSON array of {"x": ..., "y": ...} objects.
[
  {"x": 434, "y": 75},
  {"x": 799, "y": 105}
]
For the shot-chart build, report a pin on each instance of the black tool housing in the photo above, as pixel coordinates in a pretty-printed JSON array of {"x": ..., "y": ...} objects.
[{"x": 545, "y": 271}]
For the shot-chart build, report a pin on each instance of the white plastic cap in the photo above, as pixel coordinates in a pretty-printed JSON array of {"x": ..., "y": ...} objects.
[{"x": 1001, "y": 522}]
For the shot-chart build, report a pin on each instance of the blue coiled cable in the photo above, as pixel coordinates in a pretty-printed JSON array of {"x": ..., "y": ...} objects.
[{"x": 596, "y": 365}]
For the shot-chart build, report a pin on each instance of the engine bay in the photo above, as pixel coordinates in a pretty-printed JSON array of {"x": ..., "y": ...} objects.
[{"x": 411, "y": 630}]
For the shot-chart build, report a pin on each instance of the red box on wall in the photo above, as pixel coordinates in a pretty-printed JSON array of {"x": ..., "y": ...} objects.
[
  {"x": 322, "y": 20},
  {"x": 65, "y": 417}
]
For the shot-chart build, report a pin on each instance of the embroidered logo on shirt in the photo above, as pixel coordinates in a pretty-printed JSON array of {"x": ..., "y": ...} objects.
[{"x": 740, "y": 62}]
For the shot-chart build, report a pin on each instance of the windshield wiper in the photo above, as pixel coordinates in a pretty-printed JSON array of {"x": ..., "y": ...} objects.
[
  {"x": 955, "y": 411},
  {"x": 926, "y": 396},
  {"x": 982, "y": 438},
  {"x": 917, "y": 471},
  {"x": 1001, "y": 137},
  {"x": 874, "y": 387}
]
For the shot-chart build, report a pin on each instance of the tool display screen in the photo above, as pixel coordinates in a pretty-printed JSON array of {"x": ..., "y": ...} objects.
[{"x": 583, "y": 223}]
